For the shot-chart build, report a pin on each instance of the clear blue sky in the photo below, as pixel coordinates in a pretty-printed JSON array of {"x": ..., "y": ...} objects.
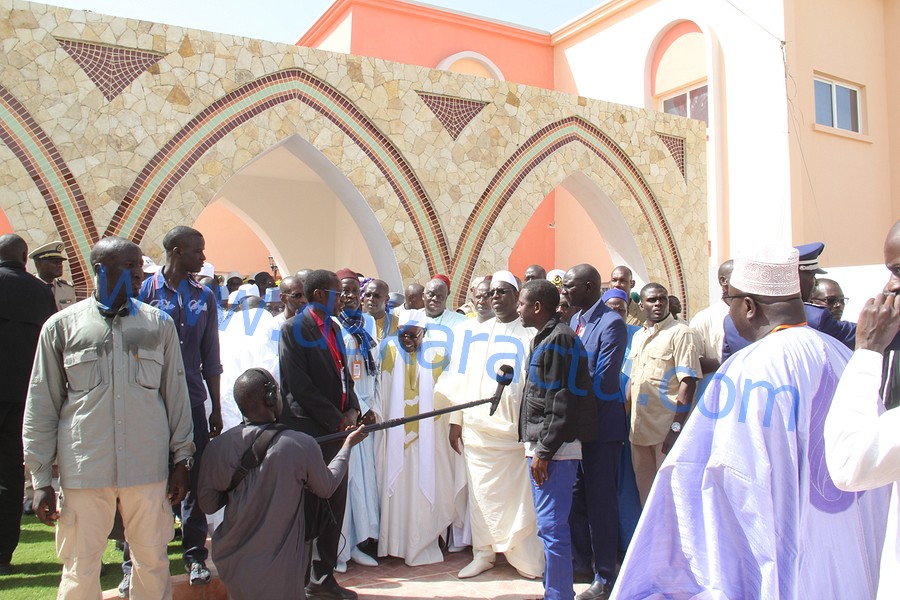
[{"x": 287, "y": 20}]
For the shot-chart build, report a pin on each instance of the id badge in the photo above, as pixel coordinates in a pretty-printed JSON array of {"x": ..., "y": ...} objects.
[{"x": 356, "y": 369}]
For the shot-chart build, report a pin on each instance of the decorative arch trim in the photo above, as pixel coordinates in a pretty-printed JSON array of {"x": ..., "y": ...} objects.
[
  {"x": 445, "y": 64},
  {"x": 46, "y": 167},
  {"x": 175, "y": 159},
  {"x": 533, "y": 152}
]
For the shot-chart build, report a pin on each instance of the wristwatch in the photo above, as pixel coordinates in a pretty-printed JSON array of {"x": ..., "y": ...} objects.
[
  {"x": 676, "y": 427},
  {"x": 188, "y": 463}
]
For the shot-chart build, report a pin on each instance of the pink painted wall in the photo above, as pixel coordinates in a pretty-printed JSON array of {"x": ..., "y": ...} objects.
[
  {"x": 5, "y": 225},
  {"x": 230, "y": 244},
  {"x": 422, "y": 35},
  {"x": 537, "y": 242}
]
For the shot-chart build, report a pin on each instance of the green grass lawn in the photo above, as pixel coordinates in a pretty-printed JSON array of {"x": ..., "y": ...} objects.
[{"x": 36, "y": 569}]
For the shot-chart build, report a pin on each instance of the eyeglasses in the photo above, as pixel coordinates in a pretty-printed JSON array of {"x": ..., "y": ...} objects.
[
  {"x": 294, "y": 296},
  {"x": 728, "y": 298},
  {"x": 484, "y": 296},
  {"x": 831, "y": 300},
  {"x": 499, "y": 292},
  {"x": 410, "y": 335}
]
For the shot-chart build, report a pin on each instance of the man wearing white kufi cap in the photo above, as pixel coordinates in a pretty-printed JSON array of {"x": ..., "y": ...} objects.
[
  {"x": 499, "y": 488},
  {"x": 743, "y": 506},
  {"x": 413, "y": 461}
]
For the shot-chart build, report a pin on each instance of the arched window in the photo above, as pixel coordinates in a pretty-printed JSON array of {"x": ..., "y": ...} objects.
[{"x": 679, "y": 75}]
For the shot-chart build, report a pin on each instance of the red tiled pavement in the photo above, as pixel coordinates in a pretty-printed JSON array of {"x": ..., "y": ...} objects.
[{"x": 393, "y": 579}]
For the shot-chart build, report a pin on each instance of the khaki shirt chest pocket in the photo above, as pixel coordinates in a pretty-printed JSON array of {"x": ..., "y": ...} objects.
[
  {"x": 146, "y": 369},
  {"x": 83, "y": 369},
  {"x": 659, "y": 363}
]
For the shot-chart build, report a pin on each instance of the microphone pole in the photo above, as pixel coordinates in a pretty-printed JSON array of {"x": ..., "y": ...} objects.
[{"x": 504, "y": 378}]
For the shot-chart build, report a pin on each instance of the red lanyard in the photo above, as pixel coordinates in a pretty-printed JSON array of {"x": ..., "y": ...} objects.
[{"x": 335, "y": 354}]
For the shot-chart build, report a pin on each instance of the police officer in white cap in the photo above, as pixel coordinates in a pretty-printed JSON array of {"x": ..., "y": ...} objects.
[{"x": 48, "y": 261}]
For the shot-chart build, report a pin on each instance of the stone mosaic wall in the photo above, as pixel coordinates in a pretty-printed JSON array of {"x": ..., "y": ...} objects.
[{"x": 113, "y": 126}]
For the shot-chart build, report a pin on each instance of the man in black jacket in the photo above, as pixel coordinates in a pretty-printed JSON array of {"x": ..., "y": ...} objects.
[
  {"x": 319, "y": 399},
  {"x": 557, "y": 404},
  {"x": 25, "y": 303}
]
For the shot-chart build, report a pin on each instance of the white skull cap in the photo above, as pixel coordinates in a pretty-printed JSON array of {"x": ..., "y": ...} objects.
[
  {"x": 505, "y": 277},
  {"x": 414, "y": 317},
  {"x": 769, "y": 270}
]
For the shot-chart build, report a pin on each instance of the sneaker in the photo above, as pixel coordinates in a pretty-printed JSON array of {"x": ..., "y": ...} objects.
[
  {"x": 199, "y": 573},
  {"x": 125, "y": 585}
]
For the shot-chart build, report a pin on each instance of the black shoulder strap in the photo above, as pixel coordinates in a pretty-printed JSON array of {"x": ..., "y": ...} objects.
[{"x": 255, "y": 454}]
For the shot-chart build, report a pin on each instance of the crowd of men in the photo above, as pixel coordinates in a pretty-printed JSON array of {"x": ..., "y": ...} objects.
[{"x": 583, "y": 430}]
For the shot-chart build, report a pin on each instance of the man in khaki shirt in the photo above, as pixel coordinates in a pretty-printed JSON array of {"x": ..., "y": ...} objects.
[
  {"x": 665, "y": 367},
  {"x": 109, "y": 402}
]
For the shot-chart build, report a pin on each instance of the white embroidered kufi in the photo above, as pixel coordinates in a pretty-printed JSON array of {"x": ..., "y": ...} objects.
[
  {"x": 505, "y": 277},
  {"x": 414, "y": 317},
  {"x": 769, "y": 270}
]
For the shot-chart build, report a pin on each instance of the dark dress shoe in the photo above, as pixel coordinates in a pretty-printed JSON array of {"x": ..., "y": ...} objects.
[
  {"x": 329, "y": 590},
  {"x": 583, "y": 576},
  {"x": 597, "y": 591}
]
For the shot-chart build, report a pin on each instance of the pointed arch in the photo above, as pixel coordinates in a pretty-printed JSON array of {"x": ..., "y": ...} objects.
[
  {"x": 50, "y": 173},
  {"x": 184, "y": 149},
  {"x": 532, "y": 153}
]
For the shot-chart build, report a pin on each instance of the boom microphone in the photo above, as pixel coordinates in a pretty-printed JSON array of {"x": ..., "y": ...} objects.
[{"x": 504, "y": 378}]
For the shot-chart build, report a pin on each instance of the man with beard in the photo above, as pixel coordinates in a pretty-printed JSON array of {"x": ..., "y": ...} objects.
[
  {"x": 109, "y": 371},
  {"x": 193, "y": 309},
  {"x": 361, "y": 515},
  {"x": 501, "y": 510}
]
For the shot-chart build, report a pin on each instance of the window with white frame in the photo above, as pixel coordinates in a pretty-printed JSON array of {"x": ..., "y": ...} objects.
[
  {"x": 691, "y": 103},
  {"x": 837, "y": 104}
]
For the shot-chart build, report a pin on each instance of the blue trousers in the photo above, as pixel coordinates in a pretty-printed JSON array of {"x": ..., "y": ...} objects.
[
  {"x": 193, "y": 521},
  {"x": 552, "y": 503},
  {"x": 594, "y": 519}
]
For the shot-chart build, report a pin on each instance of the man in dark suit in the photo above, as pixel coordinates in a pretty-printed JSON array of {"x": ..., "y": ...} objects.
[
  {"x": 25, "y": 303},
  {"x": 594, "y": 519},
  {"x": 319, "y": 399}
]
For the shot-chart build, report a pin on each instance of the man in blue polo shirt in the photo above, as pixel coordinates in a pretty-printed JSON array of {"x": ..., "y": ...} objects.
[{"x": 192, "y": 307}]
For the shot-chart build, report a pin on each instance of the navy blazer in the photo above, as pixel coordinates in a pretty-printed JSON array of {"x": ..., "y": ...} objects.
[
  {"x": 310, "y": 381},
  {"x": 817, "y": 317},
  {"x": 605, "y": 337}
]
